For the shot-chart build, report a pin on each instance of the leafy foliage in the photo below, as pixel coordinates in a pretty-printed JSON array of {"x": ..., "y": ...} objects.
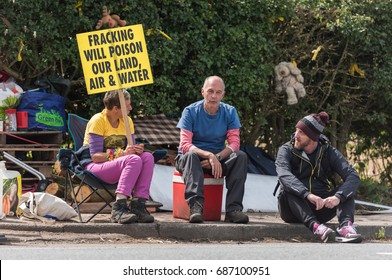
[
  {"x": 373, "y": 191},
  {"x": 341, "y": 47}
]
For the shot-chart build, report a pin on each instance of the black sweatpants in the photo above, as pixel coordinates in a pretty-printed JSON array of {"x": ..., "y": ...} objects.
[{"x": 294, "y": 209}]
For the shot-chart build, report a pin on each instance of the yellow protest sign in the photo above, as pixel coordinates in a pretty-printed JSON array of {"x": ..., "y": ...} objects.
[{"x": 114, "y": 58}]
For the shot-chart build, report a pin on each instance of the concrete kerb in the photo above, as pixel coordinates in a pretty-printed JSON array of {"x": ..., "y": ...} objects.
[
  {"x": 168, "y": 230},
  {"x": 260, "y": 227}
]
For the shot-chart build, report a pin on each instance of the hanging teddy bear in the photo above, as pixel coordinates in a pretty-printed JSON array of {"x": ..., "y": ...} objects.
[
  {"x": 288, "y": 79},
  {"x": 108, "y": 20}
]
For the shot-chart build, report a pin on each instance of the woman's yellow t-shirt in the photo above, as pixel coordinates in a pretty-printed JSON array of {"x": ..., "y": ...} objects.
[{"x": 115, "y": 139}]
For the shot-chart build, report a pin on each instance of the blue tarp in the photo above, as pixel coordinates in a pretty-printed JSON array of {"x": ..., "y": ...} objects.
[{"x": 259, "y": 162}]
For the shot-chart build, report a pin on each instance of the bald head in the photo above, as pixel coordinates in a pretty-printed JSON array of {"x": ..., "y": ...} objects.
[{"x": 213, "y": 79}]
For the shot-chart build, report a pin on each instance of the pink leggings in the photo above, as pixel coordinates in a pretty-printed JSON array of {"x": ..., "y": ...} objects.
[{"x": 133, "y": 173}]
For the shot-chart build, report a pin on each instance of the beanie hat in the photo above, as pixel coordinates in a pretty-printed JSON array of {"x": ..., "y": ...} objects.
[{"x": 313, "y": 125}]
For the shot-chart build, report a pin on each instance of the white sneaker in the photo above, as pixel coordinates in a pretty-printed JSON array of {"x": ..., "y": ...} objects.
[
  {"x": 323, "y": 232},
  {"x": 348, "y": 234}
]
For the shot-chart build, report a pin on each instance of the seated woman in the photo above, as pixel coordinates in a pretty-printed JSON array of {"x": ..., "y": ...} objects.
[{"x": 114, "y": 160}]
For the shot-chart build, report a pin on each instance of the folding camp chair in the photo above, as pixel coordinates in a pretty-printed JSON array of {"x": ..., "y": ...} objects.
[
  {"x": 69, "y": 160},
  {"x": 76, "y": 128}
]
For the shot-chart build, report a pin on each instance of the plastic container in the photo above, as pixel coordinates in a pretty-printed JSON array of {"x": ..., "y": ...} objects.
[
  {"x": 22, "y": 119},
  {"x": 11, "y": 122},
  {"x": 213, "y": 193},
  {"x": 10, "y": 190}
]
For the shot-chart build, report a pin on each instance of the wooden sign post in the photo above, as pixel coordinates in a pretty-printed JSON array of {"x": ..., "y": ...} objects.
[{"x": 125, "y": 117}]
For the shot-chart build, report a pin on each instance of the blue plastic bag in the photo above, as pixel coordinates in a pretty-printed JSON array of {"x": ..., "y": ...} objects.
[{"x": 46, "y": 111}]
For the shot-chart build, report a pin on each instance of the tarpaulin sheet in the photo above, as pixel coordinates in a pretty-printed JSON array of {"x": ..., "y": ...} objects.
[
  {"x": 258, "y": 195},
  {"x": 157, "y": 130}
]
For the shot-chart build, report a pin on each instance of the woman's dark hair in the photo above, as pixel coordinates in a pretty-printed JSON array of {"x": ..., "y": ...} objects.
[{"x": 111, "y": 99}]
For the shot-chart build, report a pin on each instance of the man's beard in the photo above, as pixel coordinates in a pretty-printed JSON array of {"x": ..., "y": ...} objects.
[{"x": 301, "y": 145}]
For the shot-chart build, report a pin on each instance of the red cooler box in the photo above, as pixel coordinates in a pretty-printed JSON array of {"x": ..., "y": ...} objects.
[{"x": 213, "y": 192}]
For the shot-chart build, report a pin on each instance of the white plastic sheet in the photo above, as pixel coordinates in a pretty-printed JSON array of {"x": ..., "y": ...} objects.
[{"x": 258, "y": 190}]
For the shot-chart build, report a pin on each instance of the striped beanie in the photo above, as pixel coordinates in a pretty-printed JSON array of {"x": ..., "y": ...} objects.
[{"x": 313, "y": 125}]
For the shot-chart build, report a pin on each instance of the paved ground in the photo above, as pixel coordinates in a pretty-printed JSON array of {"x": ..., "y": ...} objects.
[{"x": 262, "y": 227}]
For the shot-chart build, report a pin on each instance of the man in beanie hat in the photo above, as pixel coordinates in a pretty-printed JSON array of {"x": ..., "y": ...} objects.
[{"x": 310, "y": 193}]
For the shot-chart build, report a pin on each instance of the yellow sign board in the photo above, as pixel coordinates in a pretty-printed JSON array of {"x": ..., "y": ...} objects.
[{"x": 114, "y": 58}]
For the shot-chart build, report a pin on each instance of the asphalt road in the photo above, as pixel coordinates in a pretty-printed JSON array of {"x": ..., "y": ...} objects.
[{"x": 161, "y": 250}]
